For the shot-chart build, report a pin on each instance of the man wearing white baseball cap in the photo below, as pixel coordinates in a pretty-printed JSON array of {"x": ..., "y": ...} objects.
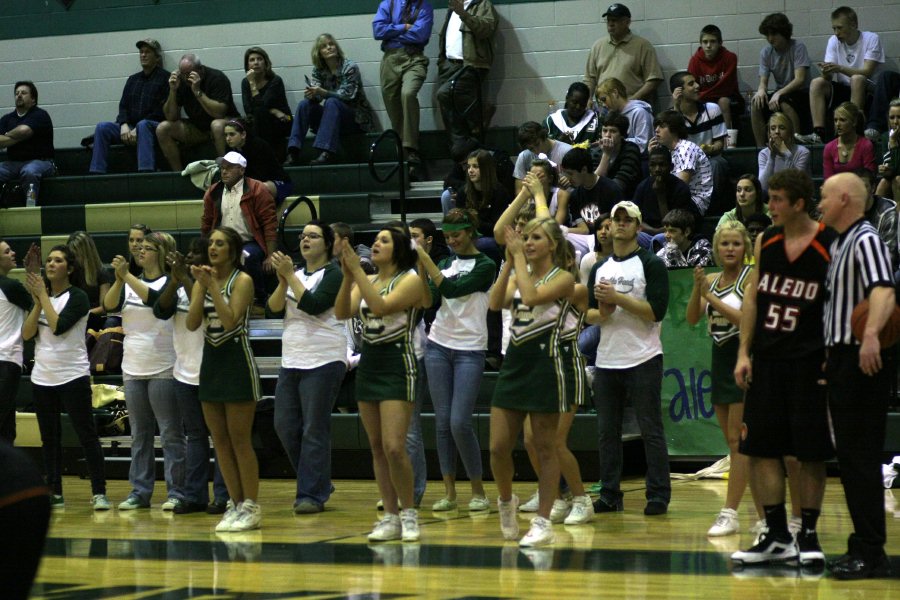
[
  {"x": 246, "y": 206},
  {"x": 629, "y": 297}
]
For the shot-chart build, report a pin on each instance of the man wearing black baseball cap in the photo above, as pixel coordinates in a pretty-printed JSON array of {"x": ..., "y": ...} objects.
[
  {"x": 140, "y": 111},
  {"x": 629, "y": 58}
]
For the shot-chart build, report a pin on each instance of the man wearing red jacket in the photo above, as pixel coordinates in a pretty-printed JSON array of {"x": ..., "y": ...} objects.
[
  {"x": 246, "y": 206},
  {"x": 715, "y": 68}
]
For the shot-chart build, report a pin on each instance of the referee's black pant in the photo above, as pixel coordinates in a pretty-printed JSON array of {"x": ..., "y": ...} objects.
[{"x": 858, "y": 407}]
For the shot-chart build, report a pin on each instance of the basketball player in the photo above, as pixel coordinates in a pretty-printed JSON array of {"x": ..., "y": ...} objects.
[{"x": 780, "y": 365}]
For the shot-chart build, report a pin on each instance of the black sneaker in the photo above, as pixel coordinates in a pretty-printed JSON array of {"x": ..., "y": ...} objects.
[
  {"x": 186, "y": 508},
  {"x": 809, "y": 549},
  {"x": 600, "y": 506},
  {"x": 654, "y": 508},
  {"x": 768, "y": 550},
  {"x": 217, "y": 507}
]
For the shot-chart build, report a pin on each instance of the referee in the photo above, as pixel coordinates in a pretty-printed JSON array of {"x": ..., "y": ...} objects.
[{"x": 857, "y": 385}]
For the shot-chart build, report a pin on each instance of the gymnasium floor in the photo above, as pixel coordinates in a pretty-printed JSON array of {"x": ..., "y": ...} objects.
[{"x": 148, "y": 554}]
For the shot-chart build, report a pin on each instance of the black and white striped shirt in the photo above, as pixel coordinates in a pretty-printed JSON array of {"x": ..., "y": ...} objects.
[{"x": 859, "y": 262}]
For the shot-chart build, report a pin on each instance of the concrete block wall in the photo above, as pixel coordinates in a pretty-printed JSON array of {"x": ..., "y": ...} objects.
[{"x": 541, "y": 48}]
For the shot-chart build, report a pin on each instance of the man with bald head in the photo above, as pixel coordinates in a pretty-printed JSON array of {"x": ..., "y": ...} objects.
[
  {"x": 205, "y": 95},
  {"x": 858, "y": 386}
]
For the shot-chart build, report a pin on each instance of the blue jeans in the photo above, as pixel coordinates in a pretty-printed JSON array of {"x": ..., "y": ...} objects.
[
  {"x": 303, "y": 401},
  {"x": 588, "y": 340},
  {"x": 253, "y": 257},
  {"x": 152, "y": 402},
  {"x": 196, "y": 464},
  {"x": 488, "y": 246},
  {"x": 75, "y": 398},
  {"x": 415, "y": 445},
  {"x": 453, "y": 379},
  {"x": 329, "y": 118},
  {"x": 27, "y": 172},
  {"x": 447, "y": 201},
  {"x": 642, "y": 385},
  {"x": 107, "y": 134}
]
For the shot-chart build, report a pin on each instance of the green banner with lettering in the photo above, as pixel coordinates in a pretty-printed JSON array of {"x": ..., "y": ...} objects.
[{"x": 688, "y": 414}]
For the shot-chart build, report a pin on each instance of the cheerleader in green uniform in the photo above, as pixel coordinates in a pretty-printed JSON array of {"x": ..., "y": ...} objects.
[
  {"x": 720, "y": 297},
  {"x": 229, "y": 380},
  {"x": 389, "y": 304},
  {"x": 535, "y": 282}
]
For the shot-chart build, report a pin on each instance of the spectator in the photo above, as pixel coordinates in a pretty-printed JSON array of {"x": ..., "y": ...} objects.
[
  {"x": 96, "y": 279},
  {"x": 661, "y": 192},
  {"x": 881, "y": 213},
  {"x": 629, "y": 58},
  {"x": 265, "y": 101},
  {"x": 889, "y": 186},
  {"x": 465, "y": 55},
  {"x": 787, "y": 62},
  {"x": 715, "y": 69},
  {"x": 205, "y": 95},
  {"x": 575, "y": 123},
  {"x": 246, "y": 206},
  {"x": 683, "y": 247},
  {"x": 782, "y": 151},
  {"x": 620, "y": 160},
  {"x": 334, "y": 103},
  {"x": 484, "y": 194},
  {"x": 535, "y": 140},
  {"x": 850, "y": 150},
  {"x": 593, "y": 195},
  {"x": 756, "y": 224},
  {"x": 689, "y": 162},
  {"x": 262, "y": 163},
  {"x": 404, "y": 29},
  {"x": 140, "y": 111},
  {"x": 611, "y": 96},
  {"x": 27, "y": 135},
  {"x": 705, "y": 126},
  {"x": 750, "y": 200},
  {"x": 887, "y": 87},
  {"x": 851, "y": 58}
]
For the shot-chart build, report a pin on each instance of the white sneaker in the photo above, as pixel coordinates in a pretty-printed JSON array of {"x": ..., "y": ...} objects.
[
  {"x": 560, "y": 510},
  {"x": 479, "y": 503},
  {"x": 409, "y": 525},
  {"x": 582, "y": 511},
  {"x": 759, "y": 528},
  {"x": 100, "y": 502},
  {"x": 540, "y": 534},
  {"x": 231, "y": 513},
  {"x": 248, "y": 518},
  {"x": 727, "y": 523},
  {"x": 768, "y": 550},
  {"x": 509, "y": 525},
  {"x": 532, "y": 504},
  {"x": 387, "y": 529}
]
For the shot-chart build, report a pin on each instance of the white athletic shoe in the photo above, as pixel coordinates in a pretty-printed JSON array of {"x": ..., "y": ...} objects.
[
  {"x": 409, "y": 525},
  {"x": 768, "y": 550},
  {"x": 231, "y": 513},
  {"x": 387, "y": 529},
  {"x": 560, "y": 510},
  {"x": 540, "y": 534},
  {"x": 531, "y": 505},
  {"x": 582, "y": 511},
  {"x": 759, "y": 528},
  {"x": 727, "y": 523},
  {"x": 509, "y": 526},
  {"x": 248, "y": 518}
]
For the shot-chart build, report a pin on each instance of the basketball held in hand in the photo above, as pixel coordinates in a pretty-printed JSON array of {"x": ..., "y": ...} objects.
[{"x": 890, "y": 333}]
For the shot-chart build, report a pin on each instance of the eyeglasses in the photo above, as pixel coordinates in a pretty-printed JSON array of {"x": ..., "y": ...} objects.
[{"x": 311, "y": 236}]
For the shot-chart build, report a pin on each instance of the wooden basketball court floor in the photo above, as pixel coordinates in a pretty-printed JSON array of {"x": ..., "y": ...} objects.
[{"x": 149, "y": 554}]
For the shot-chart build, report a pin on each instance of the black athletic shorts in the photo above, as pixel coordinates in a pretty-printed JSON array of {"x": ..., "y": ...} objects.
[{"x": 785, "y": 410}]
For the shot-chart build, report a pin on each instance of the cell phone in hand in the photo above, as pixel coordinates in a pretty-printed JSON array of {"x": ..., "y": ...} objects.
[{"x": 308, "y": 82}]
